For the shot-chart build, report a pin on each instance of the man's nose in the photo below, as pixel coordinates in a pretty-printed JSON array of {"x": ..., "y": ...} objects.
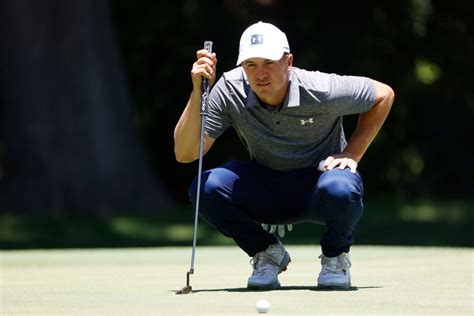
[{"x": 261, "y": 73}]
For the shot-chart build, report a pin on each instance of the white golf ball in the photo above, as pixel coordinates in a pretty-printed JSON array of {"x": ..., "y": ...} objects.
[{"x": 262, "y": 306}]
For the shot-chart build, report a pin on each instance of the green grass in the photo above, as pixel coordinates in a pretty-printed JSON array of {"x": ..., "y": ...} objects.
[
  {"x": 141, "y": 281},
  {"x": 385, "y": 222}
]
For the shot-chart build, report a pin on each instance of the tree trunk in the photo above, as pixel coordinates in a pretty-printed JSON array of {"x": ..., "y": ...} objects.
[{"x": 70, "y": 146}]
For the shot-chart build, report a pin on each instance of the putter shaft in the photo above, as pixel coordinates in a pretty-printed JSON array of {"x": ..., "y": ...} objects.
[{"x": 204, "y": 96}]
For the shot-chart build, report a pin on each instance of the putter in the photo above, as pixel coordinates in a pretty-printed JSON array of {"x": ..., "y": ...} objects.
[{"x": 203, "y": 112}]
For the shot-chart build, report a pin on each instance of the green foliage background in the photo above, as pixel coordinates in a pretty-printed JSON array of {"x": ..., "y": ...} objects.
[{"x": 422, "y": 48}]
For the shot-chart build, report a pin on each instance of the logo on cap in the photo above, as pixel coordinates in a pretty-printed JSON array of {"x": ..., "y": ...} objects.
[{"x": 256, "y": 39}]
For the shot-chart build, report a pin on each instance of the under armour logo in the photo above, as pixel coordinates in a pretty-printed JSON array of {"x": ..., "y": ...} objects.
[
  {"x": 256, "y": 39},
  {"x": 304, "y": 122}
]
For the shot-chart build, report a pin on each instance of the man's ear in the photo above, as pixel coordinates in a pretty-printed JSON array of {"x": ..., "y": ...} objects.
[{"x": 289, "y": 60}]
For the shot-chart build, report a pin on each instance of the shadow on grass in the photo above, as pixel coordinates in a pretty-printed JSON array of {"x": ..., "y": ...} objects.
[{"x": 290, "y": 288}]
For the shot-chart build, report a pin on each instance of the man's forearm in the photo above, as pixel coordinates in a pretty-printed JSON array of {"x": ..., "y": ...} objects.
[
  {"x": 187, "y": 131},
  {"x": 368, "y": 126}
]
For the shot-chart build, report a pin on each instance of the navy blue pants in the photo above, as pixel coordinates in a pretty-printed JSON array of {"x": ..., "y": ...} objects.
[{"x": 237, "y": 197}]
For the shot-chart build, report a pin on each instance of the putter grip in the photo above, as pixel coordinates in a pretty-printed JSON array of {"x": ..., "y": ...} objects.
[
  {"x": 208, "y": 46},
  {"x": 205, "y": 83}
]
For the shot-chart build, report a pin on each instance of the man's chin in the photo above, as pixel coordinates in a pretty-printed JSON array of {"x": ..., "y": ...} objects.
[{"x": 263, "y": 94}]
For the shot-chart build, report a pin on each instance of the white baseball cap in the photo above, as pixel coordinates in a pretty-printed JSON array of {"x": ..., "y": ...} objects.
[{"x": 262, "y": 40}]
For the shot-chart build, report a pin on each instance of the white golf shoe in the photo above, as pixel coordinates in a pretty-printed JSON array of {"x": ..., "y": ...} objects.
[
  {"x": 266, "y": 267},
  {"x": 335, "y": 272}
]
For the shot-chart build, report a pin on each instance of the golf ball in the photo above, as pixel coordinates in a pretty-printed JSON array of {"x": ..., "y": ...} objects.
[{"x": 262, "y": 306}]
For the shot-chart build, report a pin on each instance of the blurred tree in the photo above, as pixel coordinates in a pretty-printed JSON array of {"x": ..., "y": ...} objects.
[{"x": 69, "y": 141}]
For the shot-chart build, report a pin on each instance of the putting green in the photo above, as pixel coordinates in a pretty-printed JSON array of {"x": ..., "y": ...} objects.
[{"x": 386, "y": 280}]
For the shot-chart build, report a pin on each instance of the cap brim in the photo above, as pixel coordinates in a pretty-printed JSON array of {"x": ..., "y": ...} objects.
[{"x": 274, "y": 54}]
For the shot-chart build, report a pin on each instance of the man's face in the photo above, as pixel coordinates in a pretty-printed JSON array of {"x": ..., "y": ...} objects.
[{"x": 269, "y": 78}]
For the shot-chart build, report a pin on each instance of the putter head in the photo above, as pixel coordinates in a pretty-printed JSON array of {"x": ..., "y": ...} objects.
[{"x": 185, "y": 290}]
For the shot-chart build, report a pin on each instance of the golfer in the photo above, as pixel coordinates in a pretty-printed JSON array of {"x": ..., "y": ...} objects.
[{"x": 289, "y": 120}]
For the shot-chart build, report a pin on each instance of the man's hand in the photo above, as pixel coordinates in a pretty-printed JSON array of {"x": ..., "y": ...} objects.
[
  {"x": 281, "y": 229},
  {"x": 205, "y": 66},
  {"x": 340, "y": 161}
]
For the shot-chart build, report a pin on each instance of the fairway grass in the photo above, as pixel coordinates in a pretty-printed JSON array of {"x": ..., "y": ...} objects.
[{"x": 142, "y": 281}]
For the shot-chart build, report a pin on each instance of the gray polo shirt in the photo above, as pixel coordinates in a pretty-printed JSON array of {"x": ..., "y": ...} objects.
[{"x": 304, "y": 130}]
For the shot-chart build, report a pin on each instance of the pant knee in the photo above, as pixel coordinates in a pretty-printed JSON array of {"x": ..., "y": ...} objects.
[
  {"x": 341, "y": 184},
  {"x": 339, "y": 191},
  {"x": 206, "y": 187},
  {"x": 341, "y": 196},
  {"x": 213, "y": 190}
]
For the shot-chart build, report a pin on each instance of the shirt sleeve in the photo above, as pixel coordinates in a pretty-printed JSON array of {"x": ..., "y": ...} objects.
[
  {"x": 350, "y": 94},
  {"x": 218, "y": 118}
]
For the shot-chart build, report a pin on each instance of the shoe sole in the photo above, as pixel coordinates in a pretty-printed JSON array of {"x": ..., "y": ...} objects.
[
  {"x": 268, "y": 287},
  {"x": 283, "y": 267},
  {"x": 334, "y": 286}
]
